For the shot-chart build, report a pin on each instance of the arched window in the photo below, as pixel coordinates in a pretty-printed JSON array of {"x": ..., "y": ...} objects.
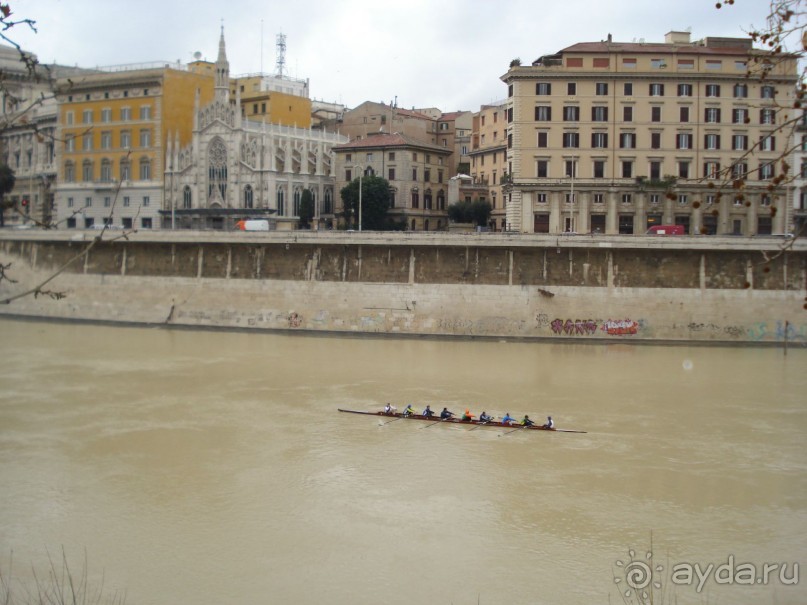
[
  {"x": 413, "y": 224},
  {"x": 125, "y": 171},
  {"x": 217, "y": 169},
  {"x": 145, "y": 169},
  {"x": 328, "y": 209},
  {"x": 298, "y": 194},
  {"x": 441, "y": 200},
  {"x": 69, "y": 172},
  {"x": 426, "y": 225},
  {"x": 281, "y": 201},
  {"x": 106, "y": 170},
  {"x": 427, "y": 200},
  {"x": 187, "y": 197},
  {"x": 392, "y": 195},
  {"x": 248, "y": 194},
  {"x": 86, "y": 171}
]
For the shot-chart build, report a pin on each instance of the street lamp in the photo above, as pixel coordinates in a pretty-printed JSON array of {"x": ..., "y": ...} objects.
[{"x": 361, "y": 173}]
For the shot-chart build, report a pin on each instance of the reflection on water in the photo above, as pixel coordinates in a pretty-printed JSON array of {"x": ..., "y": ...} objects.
[{"x": 201, "y": 467}]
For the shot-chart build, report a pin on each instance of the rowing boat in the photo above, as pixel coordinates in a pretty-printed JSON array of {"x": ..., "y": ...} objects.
[{"x": 495, "y": 423}]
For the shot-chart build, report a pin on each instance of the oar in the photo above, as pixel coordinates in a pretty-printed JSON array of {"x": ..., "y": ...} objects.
[
  {"x": 438, "y": 422},
  {"x": 523, "y": 426},
  {"x": 481, "y": 424},
  {"x": 388, "y": 421}
]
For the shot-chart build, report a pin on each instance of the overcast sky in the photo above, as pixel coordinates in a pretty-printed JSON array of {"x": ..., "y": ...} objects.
[{"x": 428, "y": 53}]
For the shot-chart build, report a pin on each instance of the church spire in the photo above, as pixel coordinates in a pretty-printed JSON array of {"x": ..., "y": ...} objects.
[{"x": 222, "y": 71}]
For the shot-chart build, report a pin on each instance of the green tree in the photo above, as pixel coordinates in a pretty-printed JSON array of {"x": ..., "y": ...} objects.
[
  {"x": 477, "y": 212},
  {"x": 306, "y": 209},
  {"x": 7, "y": 180},
  {"x": 375, "y": 195},
  {"x": 480, "y": 212},
  {"x": 460, "y": 212}
]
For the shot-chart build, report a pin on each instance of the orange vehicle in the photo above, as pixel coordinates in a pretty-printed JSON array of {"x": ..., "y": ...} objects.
[{"x": 666, "y": 230}]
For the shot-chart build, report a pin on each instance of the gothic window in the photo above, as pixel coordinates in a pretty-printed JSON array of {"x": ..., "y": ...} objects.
[
  {"x": 298, "y": 194},
  {"x": 217, "y": 169},
  {"x": 281, "y": 201},
  {"x": 328, "y": 202},
  {"x": 248, "y": 196},
  {"x": 186, "y": 197}
]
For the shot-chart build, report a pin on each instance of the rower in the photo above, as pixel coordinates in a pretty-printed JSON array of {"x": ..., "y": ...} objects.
[
  {"x": 507, "y": 418},
  {"x": 550, "y": 424},
  {"x": 467, "y": 416},
  {"x": 388, "y": 409},
  {"x": 409, "y": 411},
  {"x": 428, "y": 412},
  {"x": 527, "y": 421},
  {"x": 445, "y": 414},
  {"x": 483, "y": 417}
]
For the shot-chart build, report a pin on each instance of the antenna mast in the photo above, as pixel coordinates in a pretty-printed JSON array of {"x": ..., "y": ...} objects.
[{"x": 280, "y": 65}]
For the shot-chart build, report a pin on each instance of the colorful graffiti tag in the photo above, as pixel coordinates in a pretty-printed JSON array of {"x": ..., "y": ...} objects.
[{"x": 589, "y": 327}]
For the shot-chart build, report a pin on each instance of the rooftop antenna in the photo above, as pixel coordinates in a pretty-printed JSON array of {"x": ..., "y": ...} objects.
[
  {"x": 261, "y": 45},
  {"x": 280, "y": 65}
]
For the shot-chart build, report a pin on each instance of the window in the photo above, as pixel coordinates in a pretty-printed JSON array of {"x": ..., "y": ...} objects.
[
  {"x": 767, "y": 116},
  {"x": 627, "y": 140},
  {"x": 70, "y": 202},
  {"x": 711, "y": 169},
  {"x": 627, "y": 198},
  {"x": 656, "y": 90},
  {"x": 145, "y": 138},
  {"x": 686, "y": 63},
  {"x": 106, "y": 171},
  {"x": 767, "y": 143},
  {"x": 570, "y": 198},
  {"x": 629, "y": 63},
  {"x": 145, "y": 112},
  {"x": 683, "y": 169},
  {"x": 683, "y": 199},
  {"x": 627, "y": 169},
  {"x": 683, "y": 140},
  {"x": 440, "y": 176},
  {"x": 348, "y": 175},
  {"x": 414, "y": 174},
  {"x": 685, "y": 90},
  {"x": 280, "y": 201},
  {"x": 248, "y": 196},
  {"x": 88, "y": 202},
  {"x": 69, "y": 172},
  {"x": 683, "y": 114},
  {"x": 658, "y": 63},
  {"x": 86, "y": 116},
  {"x": 125, "y": 139},
  {"x": 68, "y": 118},
  {"x": 739, "y": 142},
  {"x": 571, "y": 88},
  {"x": 391, "y": 174},
  {"x": 571, "y": 113},
  {"x": 86, "y": 171},
  {"x": 740, "y": 65},
  {"x": 415, "y": 198},
  {"x": 543, "y": 137},
  {"x": 711, "y": 141},
  {"x": 739, "y": 170},
  {"x": 187, "y": 198},
  {"x": 124, "y": 170},
  {"x": 767, "y": 92},
  {"x": 571, "y": 139},
  {"x": 599, "y": 198},
  {"x": 714, "y": 64},
  {"x": 86, "y": 141},
  {"x": 601, "y": 62},
  {"x": 655, "y": 169},
  {"x": 601, "y": 88},
  {"x": 570, "y": 168},
  {"x": 712, "y": 115},
  {"x": 427, "y": 174},
  {"x": 543, "y": 113},
  {"x": 599, "y": 169},
  {"x": 146, "y": 201},
  {"x": 126, "y": 201},
  {"x": 542, "y": 88},
  {"x": 655, "y": 113},
  {"x": 106, "y": 115},
  {"x": 766, "y": 171},
  {"x": 106, "y": 140},
  {"x": 599, "y": 140},
  {"x": 765, "y": 200},
  {"x": 574, "y": 62},
  {"x": 739, "y": 115},
  {"x": 627, "y": 89},
  {"x": 627, "y": 113},
  {"x": 712, "y": 90},
  {"x": 70, "y": 143},
  {"x": 125, "y": 114},
  {"x": 542, "y": 169},
  {"x": 655, "y": 140},
  {"x": 145, "y": 169},
  {"x": 654, "y": 199},
  {"x": 740, "y": 91},
  {"x": 145, "y": 222},
  {"x": 599, "y": 114}
]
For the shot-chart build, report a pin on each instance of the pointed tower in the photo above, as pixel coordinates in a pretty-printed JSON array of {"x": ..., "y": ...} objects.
[{"x": 222, "y": 72}]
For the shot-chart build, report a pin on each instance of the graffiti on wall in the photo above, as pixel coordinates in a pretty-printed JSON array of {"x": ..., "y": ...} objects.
[
  {"x": 589, "y": 327},
  {"x": 779, "y": 332}
]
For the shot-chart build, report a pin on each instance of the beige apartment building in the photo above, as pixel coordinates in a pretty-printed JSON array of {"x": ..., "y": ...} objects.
[
  {"x": 489, "y": 161},
  {"x": 417, "y": 173},
  {"x": 616, "y": 137}
]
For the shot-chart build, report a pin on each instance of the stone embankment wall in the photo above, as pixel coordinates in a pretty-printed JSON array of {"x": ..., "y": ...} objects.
[{"x": 480, "y": 285}]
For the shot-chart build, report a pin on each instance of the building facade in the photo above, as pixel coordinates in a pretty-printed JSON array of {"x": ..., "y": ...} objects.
[
  {"x": 417, "y": 173},
  {"x": 617, "y": 137},
  {"x": 235, "y": 168},
  {"x": 489, "y": 160},
  {"x": 113, "y": 127}
]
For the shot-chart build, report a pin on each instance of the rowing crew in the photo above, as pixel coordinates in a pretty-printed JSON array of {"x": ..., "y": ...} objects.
[{"x": 467, "y": 416}]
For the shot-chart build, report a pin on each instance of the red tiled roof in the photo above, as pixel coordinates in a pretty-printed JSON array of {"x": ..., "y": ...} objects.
[{"x": 652, "y": 48}]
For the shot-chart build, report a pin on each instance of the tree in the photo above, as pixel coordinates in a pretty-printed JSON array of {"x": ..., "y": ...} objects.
[
  {"x": 477, "y": 212},
  {"x": 480, "y": 212},
  {"x": 306, "y": 209},
  {"x": 375, "y": 199},
  {"x": 7, "y": 180}
]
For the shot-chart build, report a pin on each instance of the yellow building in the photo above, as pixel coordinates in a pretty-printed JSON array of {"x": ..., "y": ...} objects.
[
  {"x": 113, "y": 128},
  {"x": 273, "y": 99},
  {"x": 617, "y": 137},
  {"x": 489, "y": 161}
]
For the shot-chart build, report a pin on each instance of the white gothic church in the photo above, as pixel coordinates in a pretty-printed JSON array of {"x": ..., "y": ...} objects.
[{"x": 236, "y": 169}]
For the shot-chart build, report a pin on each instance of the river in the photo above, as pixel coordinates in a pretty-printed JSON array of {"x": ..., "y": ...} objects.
[{"x": 193, "y": 467}]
